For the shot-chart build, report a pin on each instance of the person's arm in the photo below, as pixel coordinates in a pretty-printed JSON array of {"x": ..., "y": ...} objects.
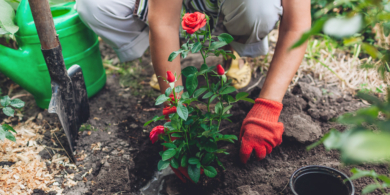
[
  {"x": 295, "y": 21},
  {"x": 164, "y": 22}
]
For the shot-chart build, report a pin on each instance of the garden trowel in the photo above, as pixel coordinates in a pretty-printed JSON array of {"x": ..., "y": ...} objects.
[{"x": 69, "y": 95}]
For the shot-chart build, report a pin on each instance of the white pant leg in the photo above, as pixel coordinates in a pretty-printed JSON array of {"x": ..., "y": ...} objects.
[
  {"x": 114, "y": 22},
  {"x": 252, "y": 20}
]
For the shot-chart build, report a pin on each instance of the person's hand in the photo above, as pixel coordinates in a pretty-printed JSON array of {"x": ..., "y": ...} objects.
[{"x": 261, "y": 130}]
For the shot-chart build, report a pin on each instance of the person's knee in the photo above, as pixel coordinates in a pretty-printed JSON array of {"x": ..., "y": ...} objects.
[
  {"x": 242, "y": 17},
  {"x": 89, "y": 10}
]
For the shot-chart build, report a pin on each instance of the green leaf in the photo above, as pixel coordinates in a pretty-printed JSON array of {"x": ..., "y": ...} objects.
[
  {"x": 184, "y": 54},
  {"x": 2, "y": 133},
  {"x": 169, "y": 145},
  {"x": 343, "y": 27},
  {"x": 178, "y": 89},
  {"x": 9, "y": 136},
  {"x": 199, "y": 92},
  {"x": 248, "y": 100},
  {"x": 17, "y": 103},
  {"x": 191, "y": 83},
  {"x": 174, "y": 55},
  {"x": 185, "y": 95},
  {"x": 176, "y": 135},
  {"x": 187, "y": 71},
  {"x": 8, "y": 128},
  {"x": 315, "y": 29},
  {"x": 162, "y": 165},
  {"x": 371, "y": 50},
  {"x": 8, "y": 111},
  {"x": 161, "y": 99},
  {"x": 217, "y": 44},
  {"x": 194, "y": 173},
  {"x": 193, "y": 161},
  {"x": 241, "y": 95},
  {"x": 218, "y": 108},
  {"x": 174, "y": 163},
  {"x": 184, "y": 161},
  {"x": 168, "y": 91},
  {"x": 366, "y": 147},
  {"x": 182, "y": 111},
  {"x": 7, "y": 16},
  {"x": 227, "y": 108},
  {"x": 197, "y": 47},
  {"x": 5, "y": 101},
  {"x": 208, "y": 157},
  {"x": 168, "y": 154},
  {"x": 384, "y": 178},
  {"x": 370, "y": 188},
  {"x": 357, "y": 173},
  {"x": 225, "y": 37},
  {"x": 210, "y": 146},
  {"x": 210, "y": 171},
  {"x": 386, "y": 28},
  {"x": 207, "y": 95},
  {"x": 213, "y": 97},
  {"x": 230, "y": 137},
  {"x": 228, "y": 90},
  {"x": 220, "y": 163},
  {"x": 156, "y": 118}
]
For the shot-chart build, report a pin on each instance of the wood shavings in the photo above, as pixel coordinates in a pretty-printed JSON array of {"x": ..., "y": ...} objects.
[{"x": 30, "y": 171}]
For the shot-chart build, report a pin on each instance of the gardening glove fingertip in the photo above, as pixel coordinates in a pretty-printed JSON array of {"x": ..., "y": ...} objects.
[{"x": 245, "y": 151}]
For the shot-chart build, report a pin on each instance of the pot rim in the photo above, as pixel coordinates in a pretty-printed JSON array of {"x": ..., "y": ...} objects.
[{"x": 319, "y": 167}]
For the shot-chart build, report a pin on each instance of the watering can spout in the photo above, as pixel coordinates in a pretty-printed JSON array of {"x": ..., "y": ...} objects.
[{"x": 11, "y": 61}]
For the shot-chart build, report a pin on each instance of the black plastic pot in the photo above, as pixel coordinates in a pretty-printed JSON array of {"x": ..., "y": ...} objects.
[{"x": 320, "y": 180}]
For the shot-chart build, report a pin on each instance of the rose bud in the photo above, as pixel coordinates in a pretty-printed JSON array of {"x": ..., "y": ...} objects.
[
  {"x": 220, "y": 70},
  {"x": 193, "y": 22},
  {"x": 170, "y": 77},
  {"x": 153, "y": 136}
]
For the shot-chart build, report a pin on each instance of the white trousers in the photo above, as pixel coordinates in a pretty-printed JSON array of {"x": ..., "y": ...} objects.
[{"x": 114, "y": 22}]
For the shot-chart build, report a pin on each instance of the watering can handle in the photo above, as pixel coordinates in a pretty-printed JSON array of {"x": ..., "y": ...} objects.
[{"x": 44, "y": 23}]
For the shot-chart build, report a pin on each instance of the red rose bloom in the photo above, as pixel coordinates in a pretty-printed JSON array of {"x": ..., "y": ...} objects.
[
  {"x": 220, "y": 70},
  {"x": 170, "y": 77},
  {"x": 153, "y": 136},
  {"x": 193, "y": 22}
]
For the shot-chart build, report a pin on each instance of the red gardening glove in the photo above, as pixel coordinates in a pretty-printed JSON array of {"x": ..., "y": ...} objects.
[{"x": 261, "y": 130}]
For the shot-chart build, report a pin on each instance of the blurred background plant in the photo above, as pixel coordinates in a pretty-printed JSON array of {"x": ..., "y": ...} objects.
[{"x": 361, "y": 29}]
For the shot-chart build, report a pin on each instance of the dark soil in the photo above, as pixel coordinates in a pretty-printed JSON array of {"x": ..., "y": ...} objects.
[{"x": 116, "y": 145}]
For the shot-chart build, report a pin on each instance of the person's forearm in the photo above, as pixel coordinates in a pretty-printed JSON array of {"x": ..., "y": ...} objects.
[
  {"x": 285, "y": 63},
  {"x": 283, "y": 67},
  {"x": 163, "y": 41}
]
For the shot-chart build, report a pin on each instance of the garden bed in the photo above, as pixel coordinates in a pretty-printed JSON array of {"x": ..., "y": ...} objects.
[{"x": 115, "y": 155}]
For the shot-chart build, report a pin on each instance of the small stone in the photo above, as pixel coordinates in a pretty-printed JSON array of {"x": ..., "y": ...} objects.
[{"x": 133, "y": 126}]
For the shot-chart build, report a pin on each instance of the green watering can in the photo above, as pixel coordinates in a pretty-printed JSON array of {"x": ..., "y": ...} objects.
[{"x": 26, "y": 66}]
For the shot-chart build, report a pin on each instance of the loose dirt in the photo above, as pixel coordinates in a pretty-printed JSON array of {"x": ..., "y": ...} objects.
[{"x": 116, "y": 146}]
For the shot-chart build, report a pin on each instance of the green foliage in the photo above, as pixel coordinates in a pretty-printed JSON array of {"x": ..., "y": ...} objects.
[
  {"x": 191, "y": 134},
  {"x": 7, "y": 16},
  {"x": 366, "y": 140},
  {"x": 351, "y": 22},
  {"x": 7, "y": 104},
  {"x": 6, "y": 132}
]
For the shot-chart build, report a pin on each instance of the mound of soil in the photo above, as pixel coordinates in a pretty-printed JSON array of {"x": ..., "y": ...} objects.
[{"x": 117, "y": 148}]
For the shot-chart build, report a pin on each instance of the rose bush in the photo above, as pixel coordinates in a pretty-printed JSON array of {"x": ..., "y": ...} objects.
[{"x": 191, "y": 135}]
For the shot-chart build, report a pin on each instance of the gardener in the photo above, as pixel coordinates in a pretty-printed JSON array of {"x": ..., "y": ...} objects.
[{"x": 129, "y": 25}]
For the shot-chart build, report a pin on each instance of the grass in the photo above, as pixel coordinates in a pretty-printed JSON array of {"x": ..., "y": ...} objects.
[{"x": 336, "y": 65}]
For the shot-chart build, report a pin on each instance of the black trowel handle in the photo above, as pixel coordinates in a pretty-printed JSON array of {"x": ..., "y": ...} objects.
[{"x": 44, "y": 23}]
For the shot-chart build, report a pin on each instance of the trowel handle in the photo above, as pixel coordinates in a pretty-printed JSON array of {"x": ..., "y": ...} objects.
[{"x": 44, "y": 23}]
